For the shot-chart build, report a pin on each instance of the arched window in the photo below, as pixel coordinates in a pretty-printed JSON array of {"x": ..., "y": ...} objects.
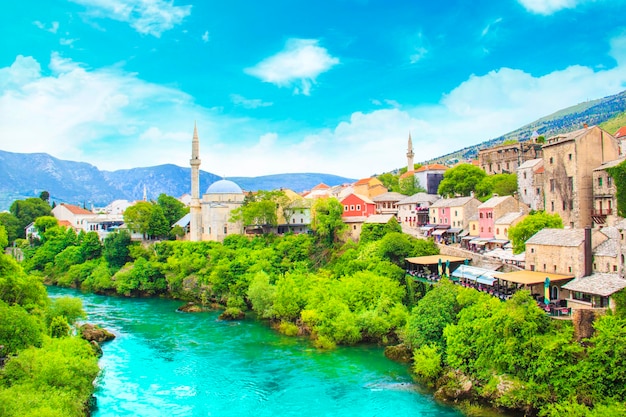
[{"x": 554, "y": 294}]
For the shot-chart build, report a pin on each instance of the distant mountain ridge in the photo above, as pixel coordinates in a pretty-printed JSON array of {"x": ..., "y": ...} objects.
[
  {"x": 27, "y": 175},
  {"x": 592, "y": 112}
]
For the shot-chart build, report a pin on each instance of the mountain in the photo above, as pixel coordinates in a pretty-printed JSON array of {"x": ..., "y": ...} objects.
[
  {"x": 27, "y": 175},
  {"x": 592, "y": 112}
]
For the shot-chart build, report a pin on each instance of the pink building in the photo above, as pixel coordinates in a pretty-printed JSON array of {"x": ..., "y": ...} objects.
[{"x": 493, "y": 209}]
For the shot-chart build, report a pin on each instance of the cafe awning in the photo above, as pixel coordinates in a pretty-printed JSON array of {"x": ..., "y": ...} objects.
[
  {"x": 454, "y": 230},
  {"x": 433, "y": 259},
  {"x": 473, "y": 273},
  {"x": 531, "y": 277},
  {"x": 479, "y": 241},
  {"x": 439, "y": 232}
]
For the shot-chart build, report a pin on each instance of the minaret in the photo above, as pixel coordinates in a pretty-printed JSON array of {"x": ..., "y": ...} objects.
[
  {"x": 195, "y": 210},
  {"x": 410, "y": 155}
]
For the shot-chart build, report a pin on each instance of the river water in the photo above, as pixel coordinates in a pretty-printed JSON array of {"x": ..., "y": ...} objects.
[{"x": 166, "y": 363}]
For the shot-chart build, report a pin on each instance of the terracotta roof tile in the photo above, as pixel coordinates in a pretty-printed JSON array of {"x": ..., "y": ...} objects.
[
  {"x": 407, "y": 174},
  {"x": 620, "y": 132},
  {"x": 76, "y": 209},
  {"x": 432, "y": 167},
  {"x": 320, "y": 186},
  {"x": 363, "y": 181}
]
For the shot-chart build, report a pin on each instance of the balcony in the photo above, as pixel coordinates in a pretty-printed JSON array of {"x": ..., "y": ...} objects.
[{"x": 599, "y": 215}]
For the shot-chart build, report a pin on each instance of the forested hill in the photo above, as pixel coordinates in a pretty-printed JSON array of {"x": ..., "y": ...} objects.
[
  {"x": 26, "y": 175},
  {"x": 592, "y": 112}
]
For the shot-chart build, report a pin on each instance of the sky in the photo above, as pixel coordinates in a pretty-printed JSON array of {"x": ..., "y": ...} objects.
[{"x": 284, "y": 86}]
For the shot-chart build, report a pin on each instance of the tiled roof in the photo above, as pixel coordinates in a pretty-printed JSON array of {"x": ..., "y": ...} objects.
[
  {"x": 419, "y": 198},
  {"x": 432, "y": 167},
  {"x": 610, "y": 164},
  {"x": 558, "y": 237},
  {"x": 609, "y": 247},
  {"x": 509, "y": 217},
  {"x": 65, "y": 223},
  {"x": 565, "y": 137},
  {"x": 320, "y": 186},
  {"x": 361, "y": 197},
  {"x": 363, "y": 181},
  {"x": 530, "y": 163},
  {"x": 620, "y": 132},
  {"x": 379, "y": 218},
  {"x": 407, "y": 174},
  {"x": 389, "y": 196},
  {"x": 540, "y": 170},
  {"x": 597, "y": 284},
  {"x": 494, "y": 202},
  {"x": 452, "y": 202},
  {"x": 75, "y": 209}
]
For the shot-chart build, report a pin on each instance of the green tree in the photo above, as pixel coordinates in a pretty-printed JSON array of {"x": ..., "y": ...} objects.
[
  {"x": 12, "y": 226},
  {"x": 460, "y": 180},
  {"x": 500, "y": 184},
  {"x": 45, "y": 196},
  {"x": 173, "y": 209},
  {"x": 158, "y": 225},
  {"x": 327, "y": 222},
  {"x": 43, "y": 223},
  {"x": 4, "y": 240},
  {"x": 525, "y": 229},
  {"x": 26, "y": 211},
  {"x": 116, "y": 249},
  {"x": 137, "y": 217},
  {"x": 410, "y": 185},
  {"x": 18, "y": 329},
  {"x": 262, "y": 209},
  {"x": 390, "y": 181}
]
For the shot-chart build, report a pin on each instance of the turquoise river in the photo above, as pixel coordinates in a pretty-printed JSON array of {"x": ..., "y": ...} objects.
[{"x": 166, "y": 363}]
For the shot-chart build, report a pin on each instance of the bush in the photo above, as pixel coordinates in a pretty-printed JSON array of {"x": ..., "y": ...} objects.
[{"x": 427, "y": 363}]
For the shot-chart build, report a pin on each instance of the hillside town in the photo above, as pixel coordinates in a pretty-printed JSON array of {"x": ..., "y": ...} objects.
[{"x": 578, "y": 267}]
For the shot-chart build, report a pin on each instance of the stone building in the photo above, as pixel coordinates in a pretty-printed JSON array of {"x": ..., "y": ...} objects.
[
  {"x": 493, "y": 209},
  {"x": 454, "y": 212},
  {"x": 604, "y": 211},
  {"x": 387, "y": 203},
  {"x": 569, "y": 161},
  {"x": 530, "y": 183},
  {"x": 507, "y": 158},
  {"x": 210, "y": 216},
  {"x": 413, "y": 210}
]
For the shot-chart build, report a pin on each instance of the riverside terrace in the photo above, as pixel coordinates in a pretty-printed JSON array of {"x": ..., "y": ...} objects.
[{"x": 544, "y": 287}]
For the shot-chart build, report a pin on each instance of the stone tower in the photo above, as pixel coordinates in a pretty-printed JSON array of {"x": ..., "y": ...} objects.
[
  {"x": 195, "y": 209},
  {"x": 409, "y": 155}
]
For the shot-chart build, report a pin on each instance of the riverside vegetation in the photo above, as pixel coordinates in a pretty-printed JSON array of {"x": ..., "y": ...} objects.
[{"x": 467, "y": 345}]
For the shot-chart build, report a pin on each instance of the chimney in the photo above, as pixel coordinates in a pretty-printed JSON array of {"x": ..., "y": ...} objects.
[{"x": 587, "y": 250}]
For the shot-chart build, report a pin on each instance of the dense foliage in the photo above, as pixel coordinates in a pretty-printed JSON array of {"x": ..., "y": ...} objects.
[
  {"x": 460, "y": 180},
  {"x": 515, "y": 356},
  {"x": 526, "y": 228},
  {"x": 47, "y": 371},
  {"x": 618, "y": 173}
]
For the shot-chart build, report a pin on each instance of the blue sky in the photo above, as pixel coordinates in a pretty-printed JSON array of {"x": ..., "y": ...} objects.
[{"x": 294, "y": 86}]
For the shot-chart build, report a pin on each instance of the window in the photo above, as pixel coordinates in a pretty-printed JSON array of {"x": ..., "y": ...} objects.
[
  {"x": 225, "y": 230},
  {"x": 489, "y": 230},
  {"x": 358, "y": 207},
  {"x": 552, "y": 205},
  {"x": 498, "y": 231},
  {"x": 538, "y": 191},
  {"x": 354, "y": 227},
  {"x": 345, "y": 208},
  {"x": 525, "y": 191},
  {"x": 571, "y": 204},
  {"x": 569, "y": 156},
  {"x": 505, "y": 231},
  {"x": 293, "y": 220},
  {"x": 569, "y": 269},
  {"x": 564, "y": 206},
  {"x": 552, "y": 185},
  {"x": 482, "y": 229},
  {"x": 551, "y": 160},
  {"x": 581, "y": 296},
  {"x": 481, "y": 215},
  {"x": 599, "y": 181},
  {"x": 474, "y": 228},
  {"x": 351, "y": 207},
  {"x": 570, "y": 183},
  {"x": 524, "y": 175},
  {"x": 609, "y": 181},
  {"x": 532, "y": 267},
  {"x": 555, "y": 269},
  {"x": 614, "y": 268},
  {"x": 544, "y": 267},
  {"x": 456, "y": 213},
  {"x": 532, "y": 250}
]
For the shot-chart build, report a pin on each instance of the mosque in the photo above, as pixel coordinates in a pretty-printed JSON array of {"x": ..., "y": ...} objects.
[{"x": 210, "y": 215}]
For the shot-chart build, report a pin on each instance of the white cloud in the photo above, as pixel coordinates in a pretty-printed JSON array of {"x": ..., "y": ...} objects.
[
  {"x": 248, "y": 103},
  {"x": 54, "y": 26},
  {"x": 205, "y": 36},
  {"x": 490, "y": 27},
  {"x": 419, "y": 48},
  {"x": 114, "y": 120},
  {"x": 546, "y": 7},
  {"x": 298, "y": 65},
  {"x": 67, "y": 41},
  {"x": 148, "y": 17}
]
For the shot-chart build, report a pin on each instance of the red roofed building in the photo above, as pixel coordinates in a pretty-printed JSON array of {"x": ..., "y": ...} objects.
[
  {"x": 356, "y": 205},
  {"x": 429, "y": 176},
  {"x": 621, "y": 133},
  {"x": 319, "y": 191},
  {"x": 73, "y": 214},
  {"x": 369, "y": 187}
]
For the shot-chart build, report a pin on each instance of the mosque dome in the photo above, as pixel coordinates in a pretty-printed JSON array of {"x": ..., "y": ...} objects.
[{"x": 224, "y": 187}]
